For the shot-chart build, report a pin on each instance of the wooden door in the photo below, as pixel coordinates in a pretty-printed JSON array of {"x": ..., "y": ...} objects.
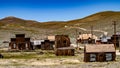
[{"x": 101, "y": 57}]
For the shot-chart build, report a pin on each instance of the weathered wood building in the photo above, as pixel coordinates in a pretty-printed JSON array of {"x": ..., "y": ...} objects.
[
  {"x": 65, "y": 51},
  {"x": 104, "y": 39},
  {"x": 20, "y": 43},
  {"x": 99, "y": 53},
  {"x": 62, "y": 46},
  {"x": 86, "y": 39},
  {"x": 62, "y": 41},
  {"x": 47, "y": 45},
  {"x": 115, "y": 39},
  {"x": 37, "y": 44}
]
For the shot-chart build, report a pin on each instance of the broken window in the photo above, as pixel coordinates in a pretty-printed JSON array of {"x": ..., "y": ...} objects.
[
  {"x": 14, "y": 45},
  {"x": 92, "y": 57},
  {"x": 108, "y": 56},
  {"x": 26, "y": 45}
]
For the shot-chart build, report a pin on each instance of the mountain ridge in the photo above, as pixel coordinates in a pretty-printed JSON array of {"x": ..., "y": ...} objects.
[{"x": 100, "y": 21}]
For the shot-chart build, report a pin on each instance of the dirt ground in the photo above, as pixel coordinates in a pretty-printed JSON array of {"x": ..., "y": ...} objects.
[{"x": 36, "y": 60}]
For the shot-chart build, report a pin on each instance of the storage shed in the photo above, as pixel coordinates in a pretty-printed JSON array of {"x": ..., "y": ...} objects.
[{"x": 99, "y": 53}]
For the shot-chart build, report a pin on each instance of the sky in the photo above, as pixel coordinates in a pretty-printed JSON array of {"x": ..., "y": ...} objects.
[{"x": 55, "y": 10}]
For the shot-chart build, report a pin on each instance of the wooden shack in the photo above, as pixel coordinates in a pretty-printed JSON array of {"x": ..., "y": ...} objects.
[
  {"x": 99, "y": 53},
  {"x": 47, "y": 45},
  {"x": 65, "y": 51},
  {"x": 62, "y": 41},
  {"x": 62, "y": 46},
  {"x": 20, "y": 43}
]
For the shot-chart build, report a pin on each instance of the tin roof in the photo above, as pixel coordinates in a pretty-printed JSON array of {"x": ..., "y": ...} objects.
[
  {"x": 86, "y": 36},
  {"x": 62, "y": 48},
  {"x": 51, "y": 38},
  {"x": 100, "y": 48}
]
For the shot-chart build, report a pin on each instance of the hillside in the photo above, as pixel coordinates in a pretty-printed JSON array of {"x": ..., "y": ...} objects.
[{"x": 101, "y": 22}]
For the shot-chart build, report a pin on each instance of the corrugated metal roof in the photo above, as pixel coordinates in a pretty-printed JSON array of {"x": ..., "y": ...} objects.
[{"x": 100, "y": 48}]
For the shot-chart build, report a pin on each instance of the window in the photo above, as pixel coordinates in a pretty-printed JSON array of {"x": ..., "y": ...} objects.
[
  {"x": 26, "y": 45},
  {"x": 108, "y": 56},
  {"x": 92, "y": 57},
  {"x": 64, "y": 42},
  {"x": 14, "y": 45}
]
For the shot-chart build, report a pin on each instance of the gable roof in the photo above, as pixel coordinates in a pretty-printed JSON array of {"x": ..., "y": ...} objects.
[
  {"x": 86, "y": 36},
  {"x": 99, "y": 48}
]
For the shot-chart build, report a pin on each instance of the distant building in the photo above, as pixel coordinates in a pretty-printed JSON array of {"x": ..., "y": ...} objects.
[
  {"x": 37, "y": 44},
  {"x": 47, "y": 45},
  {"x": 51, "y": 38},
  {"x": 99, "y": 53},
  {"x": 62, "y": 46},
  {"x": 20, "y": 43},
  {"x": 62, "y": 41},
  {"x": 117, "y": 37},
  {"x": 114, "y": 39},
  {"x": 104, "y": 39},
  {"x": 86, "y": 39}
]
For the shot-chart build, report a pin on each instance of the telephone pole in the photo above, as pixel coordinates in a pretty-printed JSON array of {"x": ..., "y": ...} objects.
[
  {"x": 114, "y": 23},
  {"x": 91, "y": 32},
  {"x": 76, "y": 39}
]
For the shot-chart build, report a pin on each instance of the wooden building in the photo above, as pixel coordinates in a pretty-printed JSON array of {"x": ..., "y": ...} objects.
[
  {"x": 86, "y": 39},
  {"x": 62, "y": 46},
  {"x": 20, "y": 43},
  {"x": 47, "y": 45},
  {"x": 65, "y": 51},
  {"x": 62, "y": 41},
  {"x": 117, "y": 37},
  {"x": 99, "y": 53},
  {"x": 114, "y": 39},
  {"x": 37, "y": 44},
  {"x": 104, "y": 39}
]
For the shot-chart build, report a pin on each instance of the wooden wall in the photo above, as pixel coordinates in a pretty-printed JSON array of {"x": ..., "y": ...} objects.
[
  {"x": 46, "y": 45},
  {"x": 62, "y": 41},
  {"x": 65, "y": 52},
  {"x": 20, "y": 43},
  {"x": 100, "y": 57}
]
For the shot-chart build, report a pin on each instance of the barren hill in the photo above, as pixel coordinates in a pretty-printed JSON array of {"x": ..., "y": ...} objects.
[{"x": 101, "y": 21}]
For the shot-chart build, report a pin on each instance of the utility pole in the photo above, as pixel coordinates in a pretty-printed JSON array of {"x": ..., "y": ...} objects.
[
  {"x": 91, "y": 32},
  {"x": 76, "y": 39},
  {"x": 114, "y": 23},
  {"x": 119, "y": 42}
]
